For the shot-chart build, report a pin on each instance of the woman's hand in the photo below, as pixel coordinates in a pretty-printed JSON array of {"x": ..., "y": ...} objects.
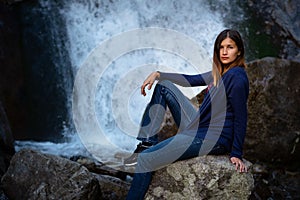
[
  {"x": 239, "y": 165},
  {"x": 149, "y": 81}
]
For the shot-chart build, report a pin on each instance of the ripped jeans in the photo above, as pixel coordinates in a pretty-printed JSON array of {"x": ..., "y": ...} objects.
[{"x": 183, "y": 145}]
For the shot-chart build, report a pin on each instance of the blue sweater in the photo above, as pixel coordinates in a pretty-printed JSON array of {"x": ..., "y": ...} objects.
[{"x": 222, "y": 116}]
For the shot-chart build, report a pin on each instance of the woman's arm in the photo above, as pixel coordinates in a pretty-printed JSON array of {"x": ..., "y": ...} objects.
[
  {"x": 180, "y": 79},
  {"x": 187, "y": 80},
  {"x": 237, "y": 96},
  {"x": 149, "y": 81},
  {"x": 238, "y": 100}
]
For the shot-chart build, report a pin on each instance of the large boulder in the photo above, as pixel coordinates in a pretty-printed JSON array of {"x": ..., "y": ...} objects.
[
  {"x": 205, "y": 177},
  {"x": 274, "y": 111},
  {"x": 32, "y": 175}
]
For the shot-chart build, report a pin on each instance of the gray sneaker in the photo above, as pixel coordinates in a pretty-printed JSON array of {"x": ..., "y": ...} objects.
[{"x": 132, "y": 160}]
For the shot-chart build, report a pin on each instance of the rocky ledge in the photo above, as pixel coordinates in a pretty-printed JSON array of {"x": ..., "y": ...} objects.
[{"x": 33, "y": 175}]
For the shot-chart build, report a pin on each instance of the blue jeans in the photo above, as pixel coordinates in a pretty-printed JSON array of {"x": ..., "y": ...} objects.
[{"x": 182, "y": 146}]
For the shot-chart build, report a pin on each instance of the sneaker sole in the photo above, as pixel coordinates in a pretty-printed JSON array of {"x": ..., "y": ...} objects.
[{"x": 130, "y": 164}]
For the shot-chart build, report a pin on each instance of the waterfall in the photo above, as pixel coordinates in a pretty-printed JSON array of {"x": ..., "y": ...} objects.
[{"x": 114, "y": 87}]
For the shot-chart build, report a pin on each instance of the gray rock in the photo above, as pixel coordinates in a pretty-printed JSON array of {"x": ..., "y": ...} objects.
[
  {"x": 112, "y": 188},
  {"x": 274, "y": 111},
  {"x": 206, "y": 177},
  {"x": 32, "y": 175}
]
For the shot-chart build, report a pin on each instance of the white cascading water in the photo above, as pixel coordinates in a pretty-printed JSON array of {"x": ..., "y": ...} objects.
[{"x": 92, "y": 23}]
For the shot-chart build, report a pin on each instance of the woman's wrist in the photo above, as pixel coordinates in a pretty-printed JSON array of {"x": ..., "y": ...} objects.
[{"x": 157, "y": 75}]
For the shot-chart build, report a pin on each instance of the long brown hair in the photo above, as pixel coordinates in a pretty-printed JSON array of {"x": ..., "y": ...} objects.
[{"x": 218, "y": 68}]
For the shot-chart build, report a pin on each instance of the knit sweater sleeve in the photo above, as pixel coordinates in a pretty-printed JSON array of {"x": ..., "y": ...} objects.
[
  {"x": 187, "y": 80},
  {"x": 237, "y": 95}
]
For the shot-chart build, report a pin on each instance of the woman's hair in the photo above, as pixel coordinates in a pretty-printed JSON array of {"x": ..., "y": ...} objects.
[{"x": 218, "y": 68}]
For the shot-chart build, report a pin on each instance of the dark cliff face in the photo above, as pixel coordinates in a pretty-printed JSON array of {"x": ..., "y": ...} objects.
[
  {"x": 48, "y": 72},
  {"x": 274, "y": 111},
  {"x": 34, "y": 70},
  {"x": 270, "y": 27},
  {"x": 6, "y": 142},
  {"x": 12, "y": 82}
]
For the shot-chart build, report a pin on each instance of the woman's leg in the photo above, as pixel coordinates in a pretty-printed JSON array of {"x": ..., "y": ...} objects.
[
  {"x": 165, "y": 94},
  {"x": 158, "y": 156},
  {"x": 180, "y": 147}
]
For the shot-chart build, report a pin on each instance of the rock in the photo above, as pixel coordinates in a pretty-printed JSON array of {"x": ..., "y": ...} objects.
[
  {"x": 206, "y": 177},
  {"x": 10, "y": 1},
  {"x": 281, "y": 21},
  {"x": 274, "y": 111},
  {"x": 168, "y": 127},
  {"x": 2, "y": 196},
  {"x": 32, "y": 175},
  {"x": 113, "y": 188},
  {"x": 6, "y": 142},
  {"x": 12, "y": 77},
  {"x": 97, "y": 167}
]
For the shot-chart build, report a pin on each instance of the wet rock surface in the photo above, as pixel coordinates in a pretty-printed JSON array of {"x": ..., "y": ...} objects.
[{"x": 275, "y": 182}]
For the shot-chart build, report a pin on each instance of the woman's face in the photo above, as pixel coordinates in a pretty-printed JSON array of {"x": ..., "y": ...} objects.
[{"x": 228, "y": 51}]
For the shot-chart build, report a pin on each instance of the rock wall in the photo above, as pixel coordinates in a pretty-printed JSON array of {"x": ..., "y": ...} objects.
[
  {"x": 274, "y": 111},
  {"x": 6, "y": 142},
  {"x": 10, "y": 1},
  {"x": 35, "y": 74},
  {"x": 12, "y": 80},
  {"x": 281, "y": 21}
]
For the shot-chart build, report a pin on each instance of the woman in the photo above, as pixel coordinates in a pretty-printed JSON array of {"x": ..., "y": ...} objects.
[{"x": 218, "y": 127}]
